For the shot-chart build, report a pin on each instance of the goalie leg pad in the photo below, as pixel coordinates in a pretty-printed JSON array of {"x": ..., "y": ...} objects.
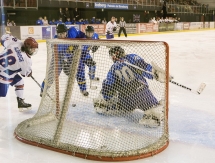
[
  {"x": 106, "y": 107},
  {"x": 153, "y": 117}
]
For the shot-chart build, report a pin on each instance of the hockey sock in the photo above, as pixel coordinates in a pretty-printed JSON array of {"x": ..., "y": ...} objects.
[
  {"x": 19, "y": 92},
  {"x": 92, "y": 70}
]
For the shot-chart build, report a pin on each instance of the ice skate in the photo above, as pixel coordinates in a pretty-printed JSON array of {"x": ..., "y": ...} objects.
[
  {"x": 85, "y": 93},
  {"x": 95, "y": 79},
  {"x": 22, "y": 105},
  {"x": 152, "y": 118}
]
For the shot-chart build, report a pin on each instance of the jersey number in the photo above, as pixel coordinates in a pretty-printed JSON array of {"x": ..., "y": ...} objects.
[
  {"x": 126, "y": 73},
  {"x": 10, "y": 60}
]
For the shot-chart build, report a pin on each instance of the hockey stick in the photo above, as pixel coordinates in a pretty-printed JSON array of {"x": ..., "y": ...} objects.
[
  {"x": 198, "y": 91},
  {"x": 41, "y": 87},
  {"x": 47, "y": 93},
  {"x": 92, "y": 87}
]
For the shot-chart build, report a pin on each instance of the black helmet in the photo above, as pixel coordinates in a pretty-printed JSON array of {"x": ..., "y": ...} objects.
[
  {"x": 117, "y": 52},
  {"x": 61, "y": 28},
  {"x": 89, "y": 29}
]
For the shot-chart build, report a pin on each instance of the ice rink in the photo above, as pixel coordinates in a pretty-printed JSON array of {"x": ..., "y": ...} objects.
[{"x": 191, "y": 116}]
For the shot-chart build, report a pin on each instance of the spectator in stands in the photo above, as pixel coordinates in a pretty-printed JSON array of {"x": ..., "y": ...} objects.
[
  {"x": 13, "y": 23},
  {"x": 73, "y": 21},
  {"x": 76, "y": 14},
  {"x": 52, "y": 22},
  {"x": 45, "y": 21},
  {"x": 60, "y": 21},
  {"x": 18, "y": 2},
  {"x": 61, "y": 13},
  {"x": 68, "y": 22},
  {"x": 67, "y": 14},
  {"x": 104, "y": 21},
  {"x": 8, "y": 22},
  {"x": 9, "y": 2},
  {"x": 98, "y": 21},
  {"x": 39, "y": 21},
  {"x": 93, "y": 20},
  {"x": 86, "y": 21}
]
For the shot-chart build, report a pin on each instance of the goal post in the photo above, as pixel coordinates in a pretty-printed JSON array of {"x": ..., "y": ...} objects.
[{"x": 68, "y": 122}]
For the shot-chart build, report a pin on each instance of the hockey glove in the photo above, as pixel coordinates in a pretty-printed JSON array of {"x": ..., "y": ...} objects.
[
  {"x": 66, "y": 67},
  {"x": 159, "y": 73},
  {"x": 114, "y": 29},
  {"x": 94, "y": 48},
  {"x": 30, "y": 74}
]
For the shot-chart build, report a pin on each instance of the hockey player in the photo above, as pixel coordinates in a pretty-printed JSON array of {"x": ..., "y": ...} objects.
[
  {"x": 125, "y": 88},
  {"x": 86, "y": 58},
  {"x": 110, "y": 28},
  {"x": 14, "y": 61},
  {"x": 67, "y": 51}
]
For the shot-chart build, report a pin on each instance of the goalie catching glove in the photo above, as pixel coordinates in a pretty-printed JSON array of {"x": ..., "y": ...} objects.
[{"x": 159, "y": 73}]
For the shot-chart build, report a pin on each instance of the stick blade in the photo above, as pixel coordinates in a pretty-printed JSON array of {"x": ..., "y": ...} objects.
[{"x": 201, "y": 88}]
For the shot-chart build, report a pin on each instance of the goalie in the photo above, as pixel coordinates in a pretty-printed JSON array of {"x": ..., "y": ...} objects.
[{"x": 125, "y": 88}]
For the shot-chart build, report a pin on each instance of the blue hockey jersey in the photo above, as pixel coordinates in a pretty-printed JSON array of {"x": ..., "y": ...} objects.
[{"x": 129, "y": 83}]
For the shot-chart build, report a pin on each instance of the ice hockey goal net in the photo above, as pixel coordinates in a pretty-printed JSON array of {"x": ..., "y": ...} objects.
[{"x": 67, "y": 121}]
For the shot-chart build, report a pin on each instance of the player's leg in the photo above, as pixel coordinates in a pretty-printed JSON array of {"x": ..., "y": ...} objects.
[
  {"x": 3, "y": 89},
  {"x": 92, "y": 67},
  {"x": 18, "y": 82},
  {"x": 109, "y": 36},
  {"x": 124, "y": 31},
  {"x": 152, "y": 108},
  {"x": 80, "y": 76},
  {"x": 120, "y": 30}
]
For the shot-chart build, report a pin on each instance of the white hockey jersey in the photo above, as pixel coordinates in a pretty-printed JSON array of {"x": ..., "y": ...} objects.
[
  {"x": 110, "y": 26},
  {"x": 13, "y": 61}
]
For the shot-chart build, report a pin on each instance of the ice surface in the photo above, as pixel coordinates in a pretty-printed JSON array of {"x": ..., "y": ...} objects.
[{"x": 191, "y": 116}]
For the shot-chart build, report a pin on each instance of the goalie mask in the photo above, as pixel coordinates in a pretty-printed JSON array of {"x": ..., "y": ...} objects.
[
  {"x": 30, "y": 46},
  {"x": 89, "y": 31},
  {"x": 116, "y": 53},
  {"x": 61, "y": 31}
]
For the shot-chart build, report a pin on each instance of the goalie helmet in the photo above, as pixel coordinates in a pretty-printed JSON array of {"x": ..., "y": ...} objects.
[
  {"x": 30, "y": 46},
  {"x": 61, "y": 28},
  {"x": 116, "y": 53}
]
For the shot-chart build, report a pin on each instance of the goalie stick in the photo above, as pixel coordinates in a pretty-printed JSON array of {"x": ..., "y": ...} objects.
[
  {"x": 198, "y": 91},
  {"x": 47, "y": 93}
]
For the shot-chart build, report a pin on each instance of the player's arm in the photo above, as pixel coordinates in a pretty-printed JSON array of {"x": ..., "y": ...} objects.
[
  {"x": 138, "y": 61},
  {"x": 25, "y": 66}
]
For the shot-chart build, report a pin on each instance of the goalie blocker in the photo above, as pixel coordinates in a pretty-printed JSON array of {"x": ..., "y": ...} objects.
[{"x": 125, "y": 88}]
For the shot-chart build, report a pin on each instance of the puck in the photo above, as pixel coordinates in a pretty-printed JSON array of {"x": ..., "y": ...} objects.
[{"x": 73, "y": 105}]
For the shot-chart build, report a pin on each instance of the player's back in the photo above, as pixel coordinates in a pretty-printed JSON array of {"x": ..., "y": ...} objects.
[
  {"x": 125, "y": 78},
  {"x": 12, "y": 61}
]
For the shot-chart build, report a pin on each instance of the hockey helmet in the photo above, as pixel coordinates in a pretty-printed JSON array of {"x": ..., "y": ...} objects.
[
  {"x": 89, "y": 31},
  {"x": 30, "y": 46},
  {"x": 116, "y": 52},
  {"x": 61, "y": 28}
]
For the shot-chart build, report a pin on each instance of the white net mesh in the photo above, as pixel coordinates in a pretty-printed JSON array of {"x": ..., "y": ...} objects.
[{"x": 106, "y": 124}]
